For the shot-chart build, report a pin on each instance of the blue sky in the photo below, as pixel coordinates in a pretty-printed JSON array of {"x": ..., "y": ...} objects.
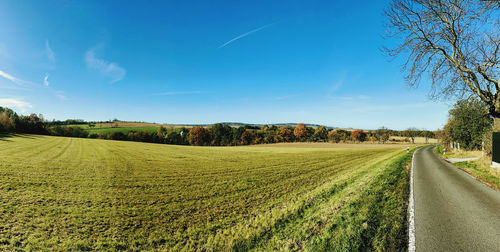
[{"x": 207, "y": 61}]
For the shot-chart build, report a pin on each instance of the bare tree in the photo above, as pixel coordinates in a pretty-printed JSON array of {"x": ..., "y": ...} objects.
[
  {"x": 455, "y": 42},
  {"x": 382, "y": 134},
  {"x": 411, "y": 133},
  {"x": 428, "y": 134}
]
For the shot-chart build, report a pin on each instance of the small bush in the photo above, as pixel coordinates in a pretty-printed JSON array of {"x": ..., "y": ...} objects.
[{"x": 117, "y": 136}]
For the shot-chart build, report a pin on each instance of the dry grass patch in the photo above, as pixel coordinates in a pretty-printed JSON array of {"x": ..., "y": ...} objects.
[
  {"x": 418, "y": 140},
  {"x": 339, "y": 145}
]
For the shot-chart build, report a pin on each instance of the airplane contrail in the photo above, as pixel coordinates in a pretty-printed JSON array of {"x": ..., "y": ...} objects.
[{"x": 246, "y": 34}]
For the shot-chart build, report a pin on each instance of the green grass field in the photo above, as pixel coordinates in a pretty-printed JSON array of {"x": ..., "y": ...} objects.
[
  {"x": 61, "y": 193},
  {"x": 105, "y": 130},
  {"x": 125, "y": 130}
]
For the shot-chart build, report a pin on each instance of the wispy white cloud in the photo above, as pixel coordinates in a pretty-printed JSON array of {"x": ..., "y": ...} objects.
[
  {"x": 355, "y": 97},
  {"x": 109, "y": 69},
  {"x": 337, "y": 85},
  {"x": 245, "y": 34},
  {"x": 286, "y": 97},
  {"x": 15, "y": 87},
  {"x": 176, "y": 93},
  {"x": 60, "y": 94},
  {"x": 46, "y": 80},
  {"x": 14, "y": 79},
  {"x": 8, "y": 76},
  {"x": 15, "y": 103},
  {"x": 49, "y": 52}
]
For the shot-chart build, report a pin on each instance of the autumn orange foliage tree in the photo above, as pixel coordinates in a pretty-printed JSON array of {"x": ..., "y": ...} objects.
[
  {"x": 6, "y": 123},
  {"x": 358, "y": 136},
  {"x": 199, "y": 136},
  {"x": 285, "y": 134},
  {"x": 247, "y": 137},
  {"x": 300, "y": 132},
  {"x": 334, "y": 136}
]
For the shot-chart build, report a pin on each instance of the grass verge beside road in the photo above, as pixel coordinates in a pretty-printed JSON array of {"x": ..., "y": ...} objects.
[
  {"x": 481, "y": 168},
  {"x": 377, "y": 219}
]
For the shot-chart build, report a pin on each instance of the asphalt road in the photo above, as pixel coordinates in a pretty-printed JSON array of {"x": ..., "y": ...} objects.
[{"x": 453, "y": 211}]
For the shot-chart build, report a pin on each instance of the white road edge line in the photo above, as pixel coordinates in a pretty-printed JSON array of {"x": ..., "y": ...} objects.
[{"x": 411, "y": 226}]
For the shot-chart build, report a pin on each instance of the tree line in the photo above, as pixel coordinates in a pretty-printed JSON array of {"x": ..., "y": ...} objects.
[
  {"x": 216, "y": 135},
  {"x": 469, "y": 124}
]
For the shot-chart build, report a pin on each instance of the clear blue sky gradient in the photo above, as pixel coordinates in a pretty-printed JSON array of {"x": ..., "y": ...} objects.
[{"x": 208, "y": 61}]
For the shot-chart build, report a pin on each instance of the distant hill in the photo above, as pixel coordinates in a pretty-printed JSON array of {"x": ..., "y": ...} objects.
[
  {"x": 237, "y": 124},
  {"x": 127, "y": 124}
]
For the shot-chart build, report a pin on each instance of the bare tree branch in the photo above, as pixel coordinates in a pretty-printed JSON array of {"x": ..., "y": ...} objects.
[{"x": 454, "y": 42}]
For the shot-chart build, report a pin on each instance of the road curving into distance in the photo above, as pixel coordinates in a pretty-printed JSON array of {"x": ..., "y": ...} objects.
[{"x": 453, "y": 210}]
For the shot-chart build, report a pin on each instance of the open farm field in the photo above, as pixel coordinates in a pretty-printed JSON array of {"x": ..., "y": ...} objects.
[
  {"x": 418, "y": 140},
  {"x": 60, "y": 193},
  {"x": 124, "y": 130},
  {"x": 328, "y": 145},
  {"x": 124, "y": 127},
  {"x": 123, "y": 124}
]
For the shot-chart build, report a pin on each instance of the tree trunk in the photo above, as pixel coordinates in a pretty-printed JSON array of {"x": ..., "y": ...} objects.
[
  {"x": 496, "y": 124},
  {"x": 488, "y": 144}
]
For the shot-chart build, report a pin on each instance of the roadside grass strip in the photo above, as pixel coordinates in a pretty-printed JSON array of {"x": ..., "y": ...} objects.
[
  {"x": 376, "y": 219},
  {"x": 482, "y": 171}
]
